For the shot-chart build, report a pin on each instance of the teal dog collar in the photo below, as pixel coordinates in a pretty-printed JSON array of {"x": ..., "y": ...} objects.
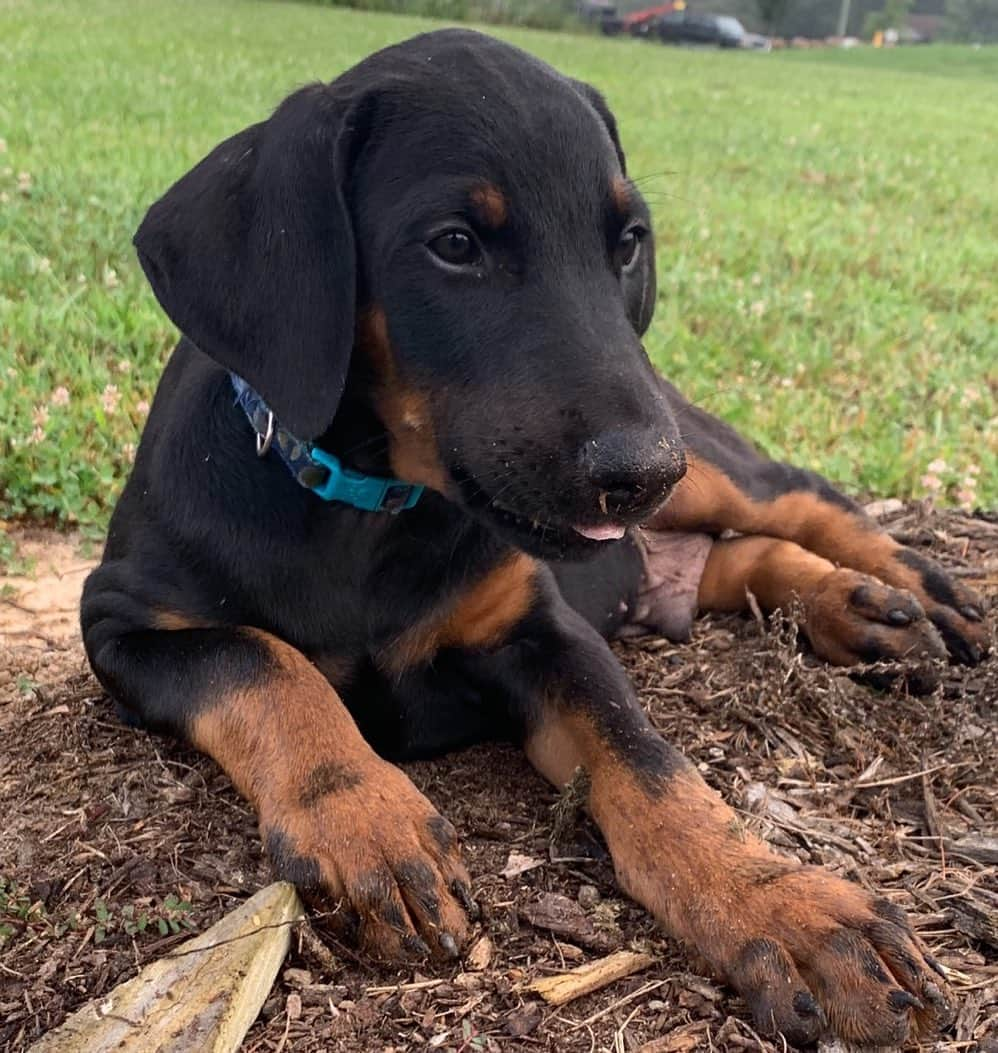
[
  {"x": 317, "y": 469},
  {"x": 369, "y": 492}
]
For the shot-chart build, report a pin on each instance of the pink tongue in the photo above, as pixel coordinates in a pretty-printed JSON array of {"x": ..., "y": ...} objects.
[{"x": 607, "y": 532}]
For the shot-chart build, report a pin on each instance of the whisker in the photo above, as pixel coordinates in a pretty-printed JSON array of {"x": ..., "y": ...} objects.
[{"x": 648, "y": 176}]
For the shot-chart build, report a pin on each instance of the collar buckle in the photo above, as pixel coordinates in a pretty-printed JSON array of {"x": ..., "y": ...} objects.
[
  {"x": 265, "y": 440},
  {"x": 367, "y": 492}
]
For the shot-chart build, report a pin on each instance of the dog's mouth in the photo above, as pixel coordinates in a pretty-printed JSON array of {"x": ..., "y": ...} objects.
[
  {"x": 540, "y": 534},
  {"x": 551, "y": 538},
  {"x": 608, "y": 531}
]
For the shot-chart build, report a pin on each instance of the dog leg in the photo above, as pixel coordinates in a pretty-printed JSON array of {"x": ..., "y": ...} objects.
[
  {"x": 337, "y": 821},
  {"x": 730, "y": 486},
  {"x": 803, "y": 947},
  {"x": 849, "y": 616}
]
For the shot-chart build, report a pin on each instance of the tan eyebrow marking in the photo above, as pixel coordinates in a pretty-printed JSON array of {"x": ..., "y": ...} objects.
[
  {"x": 491, "y": 202},
  {"x": 621, "y": 192}
]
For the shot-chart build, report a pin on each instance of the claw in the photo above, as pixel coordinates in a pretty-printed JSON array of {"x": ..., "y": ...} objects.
[
  {"x": 448, "y": 945},
  {"x": 898, "y": 617},
  {"x": 415, "y": 946},
  {"x": 934, "y": 965},
  {"x": 463, "y": 895},
  {"x": 805, "y": 1005},
  {"x": 966, "y": 651},
  {"x": 972, "y": 613},
  {"x": 899, "y": 1001},
  {"x": 933, "y": 994}
]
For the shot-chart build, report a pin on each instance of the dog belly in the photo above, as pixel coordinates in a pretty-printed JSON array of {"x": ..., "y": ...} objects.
[
  {"x": 647, "y": 584},
  {"x": 672, "y": 566}
]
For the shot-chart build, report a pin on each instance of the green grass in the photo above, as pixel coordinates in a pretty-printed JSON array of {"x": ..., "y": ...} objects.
[
  {"x": 941, "y": 60},
  {"x": 21, "y": 916},
  {"x": 826, "y": 225}
]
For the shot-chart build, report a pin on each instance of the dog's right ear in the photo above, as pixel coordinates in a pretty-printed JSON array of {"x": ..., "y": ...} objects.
[{"x": 252, "y": 256}]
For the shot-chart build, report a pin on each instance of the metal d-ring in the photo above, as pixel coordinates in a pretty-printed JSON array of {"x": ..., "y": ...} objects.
[{"x": 263, "y": 442}]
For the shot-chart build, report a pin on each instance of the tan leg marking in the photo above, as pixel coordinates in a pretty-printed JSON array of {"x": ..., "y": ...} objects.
[
  {"x": 706, "y": 499},
  {"x": 849, "y": 617},
  {"x": 787, "y": 937},
  {"x": 337, "y": 820}
]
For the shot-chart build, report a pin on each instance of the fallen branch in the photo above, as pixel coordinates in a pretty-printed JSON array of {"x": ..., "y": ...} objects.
[
  {"x": 202, "y": 996},
  {"x": 557, "y": 990}
]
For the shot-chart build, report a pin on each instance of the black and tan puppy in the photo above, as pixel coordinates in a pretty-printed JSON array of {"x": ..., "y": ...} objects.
[{"x": 434, "y": 273}]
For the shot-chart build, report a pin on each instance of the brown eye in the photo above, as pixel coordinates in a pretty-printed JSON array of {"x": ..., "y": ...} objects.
[
  {"x": 456, "y": 248},
  {"x": 627, "y": 247}
]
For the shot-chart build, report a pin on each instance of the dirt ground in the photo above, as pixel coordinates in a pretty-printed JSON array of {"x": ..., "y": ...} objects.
[{"x": 115, "y": 845}]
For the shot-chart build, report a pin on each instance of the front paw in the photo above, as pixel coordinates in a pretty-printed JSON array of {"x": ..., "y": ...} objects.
[
  {"x": 955, "y": 610},
  {"x": 852, "y": 617},
  {"x": 815, "y": 953},
  {"x": 808, "y": 951},
  {"x": 373, "y": 843}
]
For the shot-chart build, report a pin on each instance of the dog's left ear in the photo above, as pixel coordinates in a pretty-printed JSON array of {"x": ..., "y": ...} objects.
[
  {"x": 639, "y": 286},
  {"x": 252, "y": 256},
  {"x": 598, "y": 103}
]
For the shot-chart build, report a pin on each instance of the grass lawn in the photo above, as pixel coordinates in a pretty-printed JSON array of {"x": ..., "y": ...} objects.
[{"x": 826, "y": 222}]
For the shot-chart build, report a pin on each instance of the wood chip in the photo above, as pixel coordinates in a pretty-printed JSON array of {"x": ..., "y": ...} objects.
[
  {"x": 933, "y": 822},
  {"x": 522, "y": 1021},
  {"x": 975, "y": 917},
  {"x": 480, "y": 955},
  {"x": 564, "y": 917},
  {"x": 675, "y": 1043},
  {"x": 518, "y": 864},
  {"x": 882, "y": 509},
  {"x": 564, "y": 987},
  {"x": 979, "y": 847}
]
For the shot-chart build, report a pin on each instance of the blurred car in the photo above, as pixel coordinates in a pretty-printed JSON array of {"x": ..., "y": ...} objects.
[
  {"x": 756, "y": 42},
  {"x": 689, "y": 27}
]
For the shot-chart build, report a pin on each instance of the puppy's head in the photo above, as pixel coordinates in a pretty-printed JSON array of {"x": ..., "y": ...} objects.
[{"x": 452, "y": 220}]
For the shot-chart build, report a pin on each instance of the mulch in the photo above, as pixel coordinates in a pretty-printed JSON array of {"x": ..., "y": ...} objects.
[{"x": 116, "y": 845}]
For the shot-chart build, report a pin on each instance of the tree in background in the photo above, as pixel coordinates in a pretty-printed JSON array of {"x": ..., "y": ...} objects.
[
  {"x": 975, "y": 20},
  {"x": 893, "y": 16},
  {"x": 772, "y": 13}
]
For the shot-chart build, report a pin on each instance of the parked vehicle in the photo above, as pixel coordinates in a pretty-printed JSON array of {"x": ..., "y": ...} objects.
[
  {"x": 635, "y": 23},
  {"x": 673, "y": 24},
  {"x": 756, "y": 42},
  {"x": 688, "y": 27}
]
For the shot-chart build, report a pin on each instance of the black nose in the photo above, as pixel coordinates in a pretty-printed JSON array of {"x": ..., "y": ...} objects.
[{"x": 632, "y": 471}]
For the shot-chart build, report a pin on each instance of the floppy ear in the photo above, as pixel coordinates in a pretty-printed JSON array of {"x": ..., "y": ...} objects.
[
  {"x": 598, "y": 103},
  {"x": 252, "y": 256},
  {"x": 639, "y": 287}
]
